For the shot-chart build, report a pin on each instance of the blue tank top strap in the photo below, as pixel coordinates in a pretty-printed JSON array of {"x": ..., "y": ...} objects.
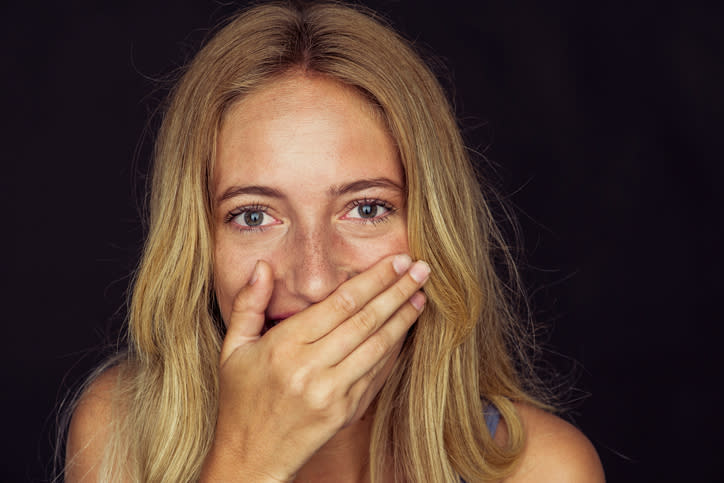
[{"x": 492, "y": 418}]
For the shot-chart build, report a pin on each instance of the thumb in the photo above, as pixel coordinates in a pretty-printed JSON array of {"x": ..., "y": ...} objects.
[{"x": 248, "y": 311}]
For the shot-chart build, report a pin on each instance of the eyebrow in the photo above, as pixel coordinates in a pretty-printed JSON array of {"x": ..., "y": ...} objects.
[
  {"x": 250, "y": 190},
  {"x": 364, "y": 184},
  {"x": 336, "y": 190}
]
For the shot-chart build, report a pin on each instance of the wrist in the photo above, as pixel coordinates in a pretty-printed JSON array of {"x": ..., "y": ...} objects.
[{"x": 222, "y": 464}]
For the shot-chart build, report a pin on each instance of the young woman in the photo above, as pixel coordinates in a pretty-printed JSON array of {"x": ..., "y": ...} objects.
[{"x": 320, "y": 294}]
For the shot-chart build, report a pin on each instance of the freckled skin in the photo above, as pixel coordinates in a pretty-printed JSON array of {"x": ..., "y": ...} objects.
[{"x": 303, "y": 136}]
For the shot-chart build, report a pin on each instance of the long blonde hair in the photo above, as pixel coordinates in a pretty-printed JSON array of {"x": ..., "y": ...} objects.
[{"x": 466, "y": 350}]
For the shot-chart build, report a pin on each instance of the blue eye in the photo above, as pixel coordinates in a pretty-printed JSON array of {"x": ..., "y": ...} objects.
[{"x": 251, "y": 218}]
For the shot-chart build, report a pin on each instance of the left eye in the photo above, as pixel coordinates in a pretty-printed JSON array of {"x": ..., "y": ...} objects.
[{"x": 368, "y": 210}]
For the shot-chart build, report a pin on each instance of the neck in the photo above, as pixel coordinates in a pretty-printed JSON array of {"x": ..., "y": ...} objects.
[{"x": 344, "y": 458}]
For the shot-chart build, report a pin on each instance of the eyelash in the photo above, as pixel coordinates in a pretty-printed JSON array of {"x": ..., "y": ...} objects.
[
  {"x": 246, "y": 209},
  {"x": 391, "y": 210}
]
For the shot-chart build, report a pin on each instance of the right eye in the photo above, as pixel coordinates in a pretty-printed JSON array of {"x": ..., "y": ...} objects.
[{"x": 252, "y": 218}]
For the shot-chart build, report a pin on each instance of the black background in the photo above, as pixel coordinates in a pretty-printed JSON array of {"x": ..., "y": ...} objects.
[{"x": 604, "y": 121}]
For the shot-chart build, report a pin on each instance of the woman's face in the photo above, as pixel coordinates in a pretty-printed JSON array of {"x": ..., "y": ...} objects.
[{"x": 308, "y": 179}]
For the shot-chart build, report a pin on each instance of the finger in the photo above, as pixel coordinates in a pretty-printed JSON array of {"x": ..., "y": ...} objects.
[
  {"x": 248, "y": 310},
  {"x": 364, "y": 390},
  {"x": 376, "y": 347},
  {"x": 318, "y": 320},
  {"x": 345, "y": 338}
]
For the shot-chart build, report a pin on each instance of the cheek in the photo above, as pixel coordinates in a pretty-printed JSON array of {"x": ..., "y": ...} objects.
[{"x": 363, "y": 253}]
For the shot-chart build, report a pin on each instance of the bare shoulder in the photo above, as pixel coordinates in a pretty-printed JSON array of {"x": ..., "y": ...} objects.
[
  {"x": 89, "y": 430},
  {"x": 555, "y": 451}
]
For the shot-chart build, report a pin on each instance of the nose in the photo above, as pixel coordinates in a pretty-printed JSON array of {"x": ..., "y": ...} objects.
[{"x": 316, "y": 266}]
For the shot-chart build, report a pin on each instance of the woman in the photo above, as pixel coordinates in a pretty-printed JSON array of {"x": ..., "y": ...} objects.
[{"x": 278, "y": 329}]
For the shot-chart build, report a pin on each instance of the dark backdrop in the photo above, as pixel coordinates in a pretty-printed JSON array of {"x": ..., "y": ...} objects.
[{"x": 604, "y": 121}]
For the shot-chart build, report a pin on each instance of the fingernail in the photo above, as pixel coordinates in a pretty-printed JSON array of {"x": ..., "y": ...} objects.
[
  {"x": 254, "y": 274},
  {"x": 401, "y": 263},
  {"x": 419, "y": 271},
  {"x": 418, "y": 300}
]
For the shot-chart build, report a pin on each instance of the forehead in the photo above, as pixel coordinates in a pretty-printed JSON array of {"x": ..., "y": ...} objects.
[
  {"x": 301, "y": 90},
  {"x": 301, "y": 123}
]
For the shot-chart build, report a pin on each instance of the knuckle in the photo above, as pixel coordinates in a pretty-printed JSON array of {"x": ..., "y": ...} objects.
[
  {"x": 400, "y": 291},
  {"x": 408, "y": 313},
  {"x": 298, "y": 381},
  {"x": 320, "y": 398},
  {"x": 379, "y": 345},
  {"x": 340, "y": 415},
  {"x": 365, "y": 320},
  {"x": 238, "y": 304},
  {"x": 327, "y": 402},
  {"x": 382, "y": 278},
  {"x": 344, "y": 301},
  {"x": 335, "y": 416},
  {"x": 362, "y": 387}
]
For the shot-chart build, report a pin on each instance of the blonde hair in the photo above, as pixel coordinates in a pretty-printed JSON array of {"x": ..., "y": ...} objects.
[{"x": 467, "y": 349}]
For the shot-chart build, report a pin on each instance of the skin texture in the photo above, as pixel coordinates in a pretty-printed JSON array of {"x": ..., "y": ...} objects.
[
  {"x": 303, "y": 137},
  {"x": 555, "y": 451},
  {"x": 309, "y": 205}
]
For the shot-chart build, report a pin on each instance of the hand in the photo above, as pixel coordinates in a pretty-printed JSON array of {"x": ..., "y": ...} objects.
[{"x": 284, "y": 395}]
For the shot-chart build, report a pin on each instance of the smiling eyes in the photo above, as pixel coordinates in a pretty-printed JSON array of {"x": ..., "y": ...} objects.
[
  {"x": 369, "y": 210},
  {"x": 251, "y": 218},
  {"x": 256, "y": 217}
]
